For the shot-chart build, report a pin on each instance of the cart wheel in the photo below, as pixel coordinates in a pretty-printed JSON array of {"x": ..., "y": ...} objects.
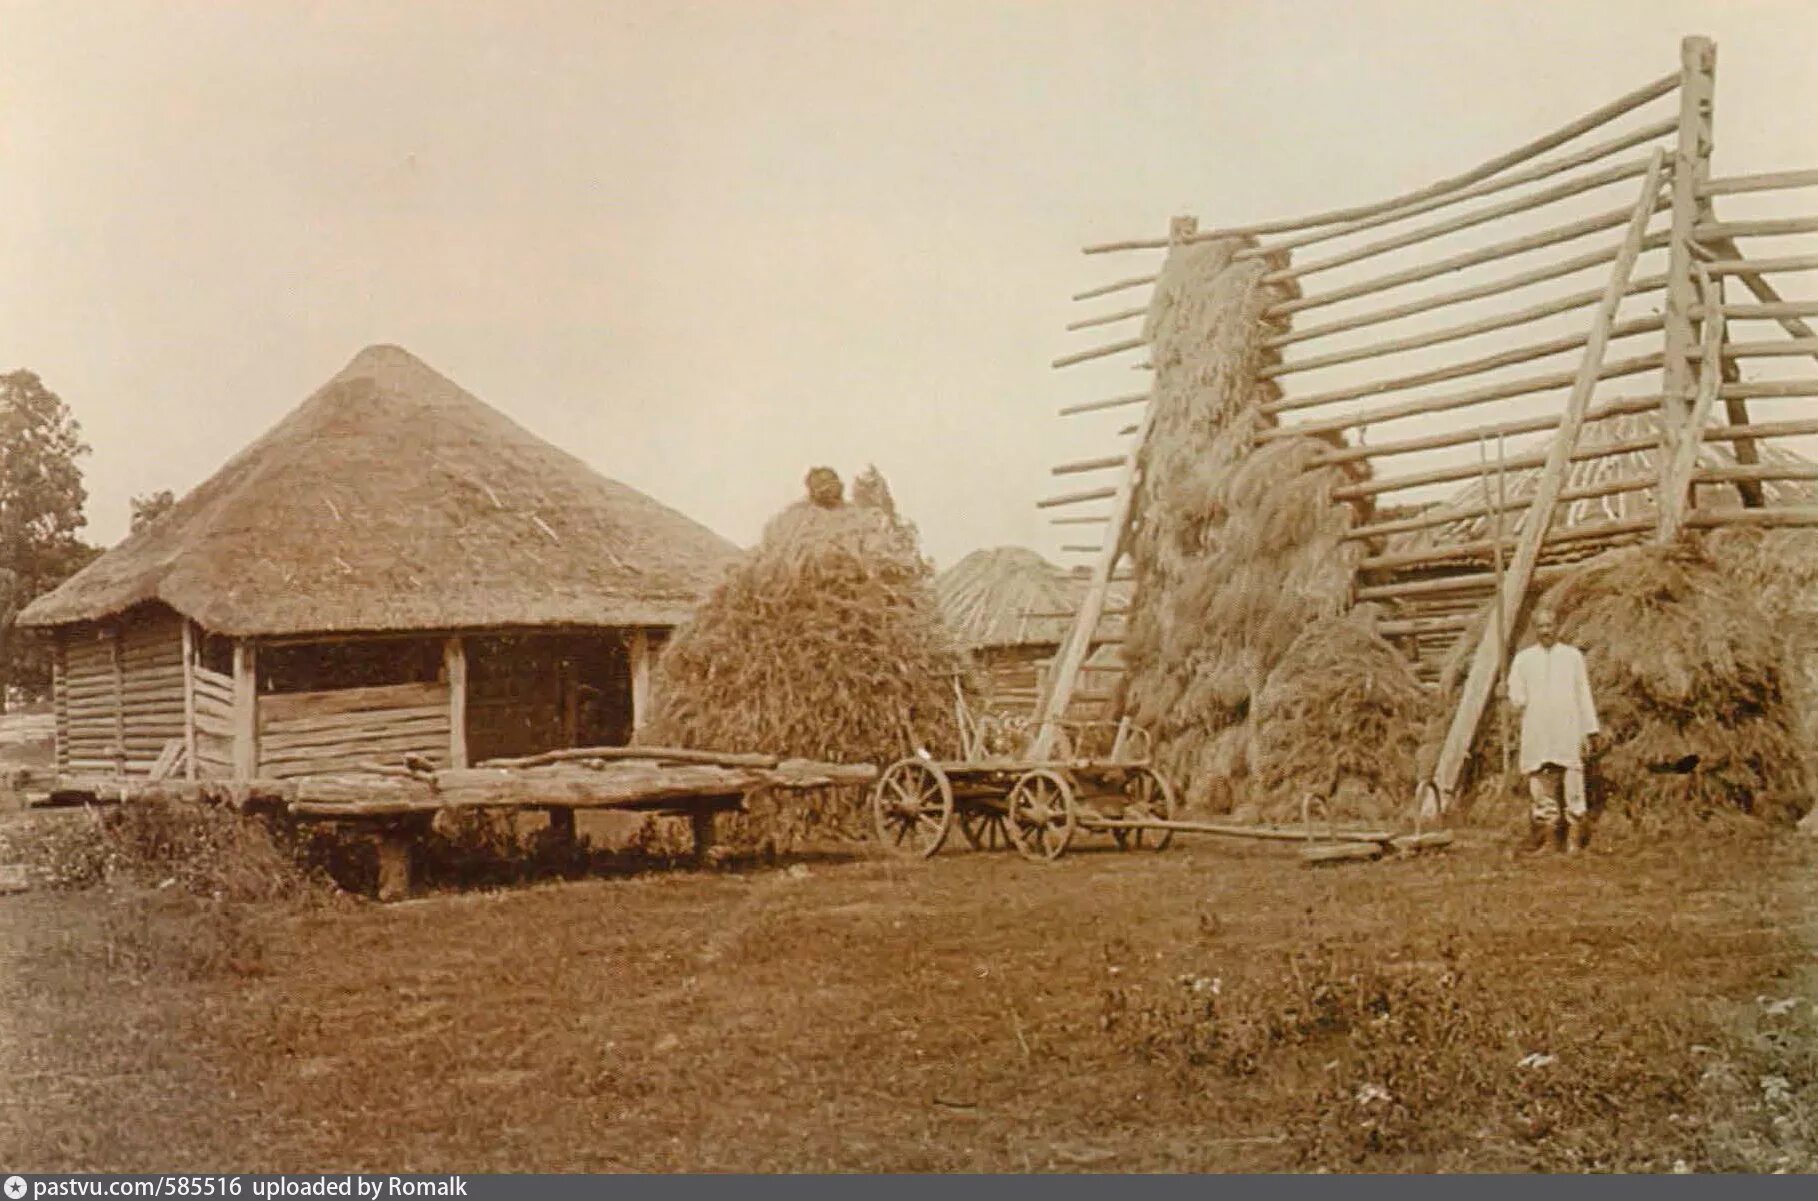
[
  {"x": 1146, "y": 795},
  {"x": 985, "y": 826},
  {"x": 912, "y": 806},
  {"x": 1041, "y": 818}
]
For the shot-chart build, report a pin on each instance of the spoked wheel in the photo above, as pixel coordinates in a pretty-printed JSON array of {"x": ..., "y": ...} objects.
[
  {"x": 1041, "y": 818},
  {"x": 1146, "y": 796},
  {"x": 986, "y": 826},
  {"x": 913, "y": 807}
]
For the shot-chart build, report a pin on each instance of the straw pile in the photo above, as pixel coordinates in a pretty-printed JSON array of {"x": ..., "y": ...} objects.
[
  {"x": 1697, "y": 684},
  {"x": 1239, "y": 549},
  {"x": 1340, "y": 719},
  {"x": 825, "y": 642}
]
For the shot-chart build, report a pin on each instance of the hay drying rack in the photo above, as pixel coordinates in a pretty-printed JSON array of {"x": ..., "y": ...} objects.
[{"x": 1436, "y": 594}]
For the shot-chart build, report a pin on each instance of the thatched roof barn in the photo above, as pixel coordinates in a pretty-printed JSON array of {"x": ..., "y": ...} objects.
[
  {"x": 394, "y": 567},
  {"x": 1010, "y": 608},
  {"x": 1639, "y": 435},
  {"x": 1603, "y": 509}
]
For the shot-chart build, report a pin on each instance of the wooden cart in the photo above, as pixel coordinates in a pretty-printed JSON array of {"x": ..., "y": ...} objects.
[{"x": 1036, "y": 806}]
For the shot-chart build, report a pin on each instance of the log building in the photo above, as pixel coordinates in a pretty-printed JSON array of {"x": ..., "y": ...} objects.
[{"x": 394, "y": 569}]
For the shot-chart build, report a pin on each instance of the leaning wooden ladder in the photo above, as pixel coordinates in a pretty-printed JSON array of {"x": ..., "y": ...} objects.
[
  {"x": 1063, "y": 675},
  {"x": 1491, "y": 656}
]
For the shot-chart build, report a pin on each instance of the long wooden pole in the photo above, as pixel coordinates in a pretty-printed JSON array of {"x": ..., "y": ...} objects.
[
  {"x": 1677, "y": 472},
  {"x": 1492, "y": 649},
  {"x": 246, "y": 709},
  {"x": 1502, "y": 162},
  {"x": 1691, "y": 167},
  {"x": 454, "y": 666},
  {"x": 189, "y": 699}
]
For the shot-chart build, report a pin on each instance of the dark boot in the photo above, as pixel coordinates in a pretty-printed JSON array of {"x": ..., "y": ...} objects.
[
  {"x": 1538, "y": 835},
  {"x": 1578, "y": 836},
  {"x": 1562, "y": 841}
]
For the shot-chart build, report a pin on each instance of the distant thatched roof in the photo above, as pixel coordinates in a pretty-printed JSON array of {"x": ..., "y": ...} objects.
[
  {"x": 1006, "y": 596},
  {"x": 1518, "y": 486},
  {"x": 393, "y": 500}
]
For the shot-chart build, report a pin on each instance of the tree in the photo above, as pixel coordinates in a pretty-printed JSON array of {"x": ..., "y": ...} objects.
[
  {"x": 150, "y": 507},
  {"x": 41, "y": 498}
]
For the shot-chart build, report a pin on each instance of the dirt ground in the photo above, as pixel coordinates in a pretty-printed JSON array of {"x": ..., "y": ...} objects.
[{"x": 1215, "y": 1007}]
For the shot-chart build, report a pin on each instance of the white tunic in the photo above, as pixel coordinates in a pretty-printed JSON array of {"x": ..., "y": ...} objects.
[{"x": 1553, "y": 692}]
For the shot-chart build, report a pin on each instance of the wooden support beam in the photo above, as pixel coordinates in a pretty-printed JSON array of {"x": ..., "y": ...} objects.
[
  {"x": 637, "y": 648},
  {"x": 1525, "y": 386},
  {"x": 1135, "y": 281},
  {"x": 1464, "y": 221},
  {"x": 1452, "y": 333},
  {"x": 1715, "y": 231},
  {"x": 1081, "y": 466},
  {"x": 1734, "y": 184},
  {"x": 1776, "y": 517},
  {"x": 454, "y": 666},
  {"x": 1468, "y": 367},
  {"x": 1100, "y": 352},
  {"x": 1570, "y": 231},
  {"x": 1076, "y": 498},
  {"x": 1758, "y": 267},
  {"x": 1539, "y": 171},
  {"x": 117, "y": 635},
  {"x": 1502, "y": 162},
  {"x": 246, "y": 709},
  {"x": 1506, "y": 429},
  {"x": 1487, "y": 663},
  {"x": 1451, "y": 516},
  {"x": 1115, "y": 402},
  {"x": 189, "y": 699},
  {"x": 1691, "y": 169},
  {"x": 1140, "y": 310}
]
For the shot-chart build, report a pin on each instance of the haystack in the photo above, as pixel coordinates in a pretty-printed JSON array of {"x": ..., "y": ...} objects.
[
  {"x": 1239, "y": 550},
  {"x": 1340, "y": 719},
  {"x": 826, "y": 641},
  {"x": 1697, "y": 684}
]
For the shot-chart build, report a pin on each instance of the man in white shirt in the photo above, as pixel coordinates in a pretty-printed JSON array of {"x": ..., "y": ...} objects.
[{"x": 1548, "y": 685}]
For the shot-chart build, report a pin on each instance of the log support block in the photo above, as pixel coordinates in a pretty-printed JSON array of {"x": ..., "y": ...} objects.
[
  {"x": 394, "y": 862},
  {"x": 700, "y": 824},
  {"x": 561, "y": 825}
]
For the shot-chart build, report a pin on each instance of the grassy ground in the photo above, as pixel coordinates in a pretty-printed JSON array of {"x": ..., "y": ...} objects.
[{"x": 1216, "y": 1007}]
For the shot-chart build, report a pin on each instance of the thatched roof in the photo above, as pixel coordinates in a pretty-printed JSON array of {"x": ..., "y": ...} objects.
[
  {"x": 990, "y": 596},
  {"x": 1518, "y": 486},
  {"x": 1004, "y": 596},
  {"x": 393, "y": 500}
]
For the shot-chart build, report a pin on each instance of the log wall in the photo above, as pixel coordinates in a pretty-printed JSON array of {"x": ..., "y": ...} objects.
[
  {"x": 305, "y": 733},
  {"x": 119, "y": 693},
  {"x": 214, "y": 723}
]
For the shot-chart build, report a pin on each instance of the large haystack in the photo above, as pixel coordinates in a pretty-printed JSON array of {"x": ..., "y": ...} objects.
[
  {"x": 1239, "y": 550},
  {"x": 1697, "y": 684},
  {"x": 1340, "y": 718},
  {"x": 826, "y": 641}
]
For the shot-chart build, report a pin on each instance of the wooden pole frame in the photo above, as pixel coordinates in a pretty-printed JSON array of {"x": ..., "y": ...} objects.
[
  {"x": 246, "y": 709},
  {"x": 189, "y": 699},
  {"x": 1486, "y": 664},
  {"x": 1691, "y": 170},
  {"x": 637, "y": 648},
  {"x": 454, "y": 666},
  {"x": 1676, "y": 473}
]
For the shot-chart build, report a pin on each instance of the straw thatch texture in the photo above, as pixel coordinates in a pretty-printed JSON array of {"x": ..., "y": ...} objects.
[
  {"x": 393, "y": 500},
  {"x": 1006, "y": 596},
  {"x": 825, "y": 642},
  {"x": 1689, "y": 669},
  {"x": 1238, "y": 548},
  {"x": 1520, "y": 485},
  {"x": 1341, "y": 719}
]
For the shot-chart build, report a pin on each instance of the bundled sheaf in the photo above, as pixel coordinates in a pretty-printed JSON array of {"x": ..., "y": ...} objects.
[
  {"x": 825, "y": 642},
  {"x": 1340, "y": 719},
  {"x": 1240, "y": 547},
  {"x": 1697, "y": 676}
]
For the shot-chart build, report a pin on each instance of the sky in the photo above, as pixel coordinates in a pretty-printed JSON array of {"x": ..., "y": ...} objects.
[{"x": 704, "y": 246}]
